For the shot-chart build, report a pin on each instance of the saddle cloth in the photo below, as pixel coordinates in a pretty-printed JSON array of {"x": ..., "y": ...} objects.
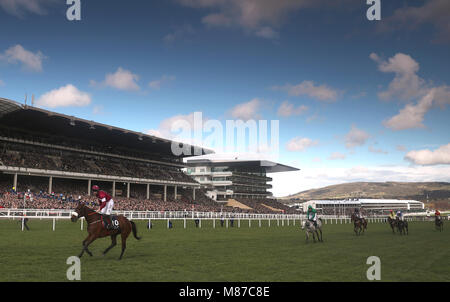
[{"x": 113, "y": 222}]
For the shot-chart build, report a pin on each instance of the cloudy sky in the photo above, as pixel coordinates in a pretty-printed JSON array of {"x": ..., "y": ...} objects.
[{"x": 356, "y": 100}]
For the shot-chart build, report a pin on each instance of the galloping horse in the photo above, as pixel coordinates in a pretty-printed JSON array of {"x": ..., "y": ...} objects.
[
  {"x": 439, "y": 223},
  {"x": 97, "y": 230},
  {"x": 402, "y": 226},
  {"x": 359, "y": 223},
  {"x": 310, "y": 228},
  {"x": 392, "y": 223}
]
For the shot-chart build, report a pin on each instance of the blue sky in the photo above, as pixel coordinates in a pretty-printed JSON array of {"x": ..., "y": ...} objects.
[{"x": 355, "y": 99}]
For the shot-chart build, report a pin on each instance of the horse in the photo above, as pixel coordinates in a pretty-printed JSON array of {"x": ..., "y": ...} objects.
[
  {"x": 393, "y": 224},
  {"x": 439, "y": 223},
  {"x": 402, "y": 226},
  {"x": 358, "y": 223},
  {"x": 96, "y": 229},
  {"x": 310, "y": 228}
]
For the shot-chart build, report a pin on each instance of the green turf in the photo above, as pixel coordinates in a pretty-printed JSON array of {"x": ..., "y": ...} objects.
[{"x": 278, "y": 253}]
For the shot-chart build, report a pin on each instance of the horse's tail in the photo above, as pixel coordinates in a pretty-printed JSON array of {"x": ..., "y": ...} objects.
[{"x": 133, "y": 228}]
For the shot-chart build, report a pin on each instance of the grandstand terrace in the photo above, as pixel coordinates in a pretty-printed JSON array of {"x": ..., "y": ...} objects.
[
  {"x": 50, "y": 152},
  {"x": 245, "y": 181}
]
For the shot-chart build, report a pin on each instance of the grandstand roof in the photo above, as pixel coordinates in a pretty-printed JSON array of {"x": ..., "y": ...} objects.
[
  {"x": 268, "y": 166},
  {"x": 37, "y": 120}
]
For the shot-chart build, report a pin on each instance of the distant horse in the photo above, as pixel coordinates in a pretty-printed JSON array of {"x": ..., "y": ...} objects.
[
  {"x": 359, "y": 224},
  {"x": 402, "y": 226},
  {"x": 311, "y": 229},
  {"x": 392, "y": 223},
  {"x": 439, "y": 223},
  {"x": 97, "y": 230}
]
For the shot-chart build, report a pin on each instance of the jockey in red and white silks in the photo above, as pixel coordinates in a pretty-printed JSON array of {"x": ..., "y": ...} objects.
[{"x": 105, "y": 201}]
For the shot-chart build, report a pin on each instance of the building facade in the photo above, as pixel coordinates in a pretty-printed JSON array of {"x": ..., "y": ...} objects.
[{"x": 227, "y": 179}]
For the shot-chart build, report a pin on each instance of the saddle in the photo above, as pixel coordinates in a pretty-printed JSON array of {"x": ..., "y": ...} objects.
[{"x": 112, "y": 222}]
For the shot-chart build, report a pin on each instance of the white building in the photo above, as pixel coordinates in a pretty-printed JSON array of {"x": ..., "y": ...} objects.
[
  {"x": 339, "y": 206},
  {"x": 225, "y": 179}
]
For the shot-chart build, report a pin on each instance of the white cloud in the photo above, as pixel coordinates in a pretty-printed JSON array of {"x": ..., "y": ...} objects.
[
  {"x": 156, "y": 84},
  {"x": 165, "y": 127},
  {"x": 287, "y": 109},
  {"x": 356, "y": 137},
  {"x": 267, "y": 33},
  {"x": 217, "y": 20},
  {"x": 440, "y": 156},
  {"x": 122, "y": 79},
  {"x": 336, "y": 155},
  {"x": 247, "y": 111},
  {"x": 406, "y": 85},
  {"x": 375, "y": 150},
  {"x": 257, "y": 17},
  {"x": 434, "y": 12},
  {"x": 321, "y": 93},
  {"x": 98, "y": 109},
  {"x": 18, "y": 8},
  {"x": 66, "y": 96},
  {"x": 411, "y": 116},
  {"x": 300, "y": 144},
  {"x": 29, "y": 60},
  {"x": 179, "y": 33},
  {"x": 400, "y": 148}
]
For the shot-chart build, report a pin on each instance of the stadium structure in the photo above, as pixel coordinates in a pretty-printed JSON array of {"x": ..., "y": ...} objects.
[
  {"x": 44, "y": 147},
  {"x": 57, "y": 154},
  {"x": 340, "y": 207},
  {"x": 225, "y": 179}
]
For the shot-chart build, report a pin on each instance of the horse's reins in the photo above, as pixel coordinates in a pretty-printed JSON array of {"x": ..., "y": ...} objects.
[{"x": 89, "y": 214}]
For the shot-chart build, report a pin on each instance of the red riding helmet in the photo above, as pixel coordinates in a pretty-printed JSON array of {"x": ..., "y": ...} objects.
[{"x": 95, "y": 188}]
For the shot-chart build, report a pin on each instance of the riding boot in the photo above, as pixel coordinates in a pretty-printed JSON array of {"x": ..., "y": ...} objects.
[{"x": 109, "y": 225}]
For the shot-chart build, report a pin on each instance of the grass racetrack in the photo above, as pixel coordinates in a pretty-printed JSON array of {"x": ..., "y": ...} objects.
[{"x": 275, "y": 253}]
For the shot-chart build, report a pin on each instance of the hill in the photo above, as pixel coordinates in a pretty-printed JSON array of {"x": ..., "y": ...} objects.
[{"x": 436, "y": 191}]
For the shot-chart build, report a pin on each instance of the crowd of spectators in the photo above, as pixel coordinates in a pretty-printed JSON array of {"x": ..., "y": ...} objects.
[
  {"x": 257, "y": 205},
  {"x": 29, "y": 156},
  {"x": 93, "y": 146}
]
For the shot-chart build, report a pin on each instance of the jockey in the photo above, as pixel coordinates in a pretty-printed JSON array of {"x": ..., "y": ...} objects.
[
  {"x": 358, "y": 214},
  {"x": 437, "y": 215},
  {"x": 106, "y": 203},
  {"x": 311, "y": 215},
  {"x": 392, "y": 215},
  {"x": 399, "y": 215}
]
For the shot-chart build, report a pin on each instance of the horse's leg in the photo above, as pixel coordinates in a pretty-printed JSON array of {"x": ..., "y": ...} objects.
[
  {"x": 125, "y": 232},
  {"x": 90, "y": 238},
  {"x": 113, "y": 243},
  {"x": 314, "y": 236},
  {"x": 321, "y": 237}
]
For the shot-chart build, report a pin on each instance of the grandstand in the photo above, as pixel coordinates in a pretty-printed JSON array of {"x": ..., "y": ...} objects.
[
  {"x": 50, "y": 152},
  {"x": 59, "y": 157},
  {"x": 244, "y": 181}
]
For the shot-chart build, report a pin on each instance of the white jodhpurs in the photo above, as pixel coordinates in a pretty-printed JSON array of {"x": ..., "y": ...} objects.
[{"x": 107, "y": 210}]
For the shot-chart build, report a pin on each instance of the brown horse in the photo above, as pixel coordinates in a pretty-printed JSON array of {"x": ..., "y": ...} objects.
[
  {"x": 360, "y": 224},
  {"x": 392, "y": 223},
  {"x": 97, "y": 230}
]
